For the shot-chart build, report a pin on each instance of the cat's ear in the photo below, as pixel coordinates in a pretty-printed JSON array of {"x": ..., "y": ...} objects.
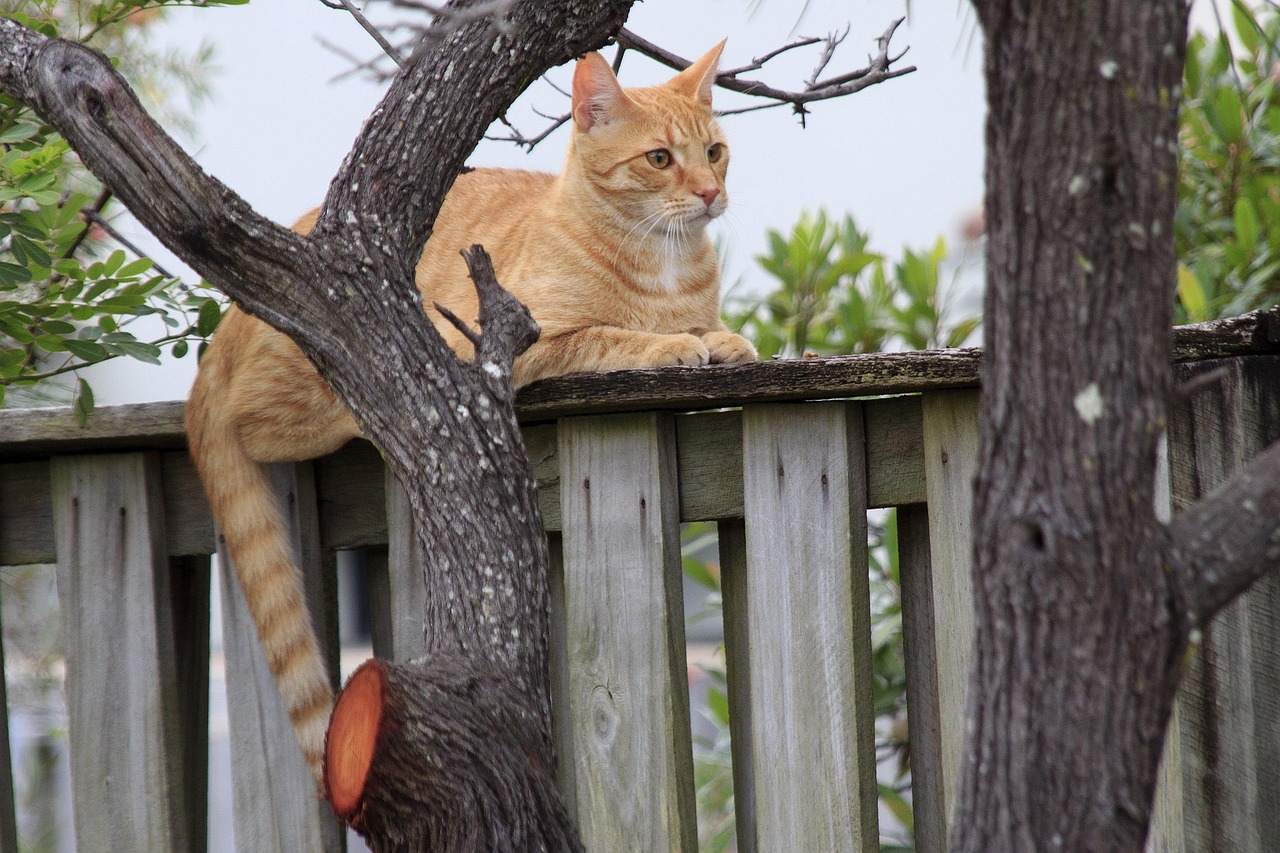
[
  {"x": 597, "y": 96},
  {"x": 696, "y": 80}
]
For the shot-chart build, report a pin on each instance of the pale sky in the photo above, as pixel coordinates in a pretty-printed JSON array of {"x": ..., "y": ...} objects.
[{"x": 904, "y": 157}]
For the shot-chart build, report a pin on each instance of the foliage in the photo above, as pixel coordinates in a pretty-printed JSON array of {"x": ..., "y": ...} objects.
[
  {"x": 834, "y": 296},
  {"x": 66, "y": 301},
  {"x": 1228, "y": 215}
]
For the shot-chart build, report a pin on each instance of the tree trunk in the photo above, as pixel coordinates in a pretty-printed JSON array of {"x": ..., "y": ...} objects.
[
  {"x": 346, "y": 294},
  {"x": 1080, "y": 627}
]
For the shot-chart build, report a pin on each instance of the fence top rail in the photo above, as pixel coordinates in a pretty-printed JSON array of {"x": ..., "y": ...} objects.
[{"x": 28, "y": 433}]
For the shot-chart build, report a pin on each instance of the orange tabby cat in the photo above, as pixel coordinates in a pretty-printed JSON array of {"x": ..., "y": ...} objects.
[{"x": 611, "y": 257}]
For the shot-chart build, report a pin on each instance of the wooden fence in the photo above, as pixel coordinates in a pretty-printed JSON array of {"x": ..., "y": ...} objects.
[{"x": 787, "y": 475}]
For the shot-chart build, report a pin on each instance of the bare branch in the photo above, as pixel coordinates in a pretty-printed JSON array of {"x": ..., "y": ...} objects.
[
  {"x": 459, "y": 324},
  {"x": 758, "y": 62},
  {"x": 368, "y": 28},
  {"x": 877, "y": 71},
  {"x": 1229, "y": 539}
]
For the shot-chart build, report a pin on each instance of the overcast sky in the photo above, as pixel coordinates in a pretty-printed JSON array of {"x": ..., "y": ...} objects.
[{"x": 904, "y": 157}]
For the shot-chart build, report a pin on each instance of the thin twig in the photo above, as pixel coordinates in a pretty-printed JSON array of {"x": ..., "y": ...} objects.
[
  {"x": 96, "y": 218},
  {"x": 461, "y": 325},
  {"x": 368, "y": 28},
  {"x": 877, "y": 71}
]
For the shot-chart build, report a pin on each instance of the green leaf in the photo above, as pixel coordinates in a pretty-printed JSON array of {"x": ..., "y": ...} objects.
[
  {"x": 1191, "y": 294},
  {"x": 11, "y": 362},
  {"x": 85, "y": 350},
  {"x": 134, "y": 268},
  {"x": 57, "y": 327},
  {"x": 139, "y": 350},
  {"x": 113, "y": 263},
  {"x": 179, "y": 349},
  {"x": 1228, "y": 112},
  {"x": 1247, "y": 27},
  {"x": 897, "y": 805},
  {"x": 208, "y": 317},
  {"x": 12, "y": 275},
  {"x": 83, "y": 403},
  {"x": 1246, "y": 224}
]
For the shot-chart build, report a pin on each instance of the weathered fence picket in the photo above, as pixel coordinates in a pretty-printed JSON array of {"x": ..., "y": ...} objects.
[
  {"x": 624, "y": 618},
  {"x": 950, "y": 423},
  {"x": 126, "y": 768},
  {"x": 787, "y": 476},
  {"x": 808, "y": 627}
]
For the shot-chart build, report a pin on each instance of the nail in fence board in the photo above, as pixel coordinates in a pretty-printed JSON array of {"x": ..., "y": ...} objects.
[
  {"x": 274, "y": 799},
  {"x": 126, "y": 768},
  {"x": 1227, "y": 719},
  {"x": 625, "y": 625},
  {"x": 809, "y": 634},
  {"x": 950, "y": 423}
]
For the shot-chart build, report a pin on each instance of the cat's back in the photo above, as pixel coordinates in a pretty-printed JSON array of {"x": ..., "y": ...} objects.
[{"x": 491, "y": 202}]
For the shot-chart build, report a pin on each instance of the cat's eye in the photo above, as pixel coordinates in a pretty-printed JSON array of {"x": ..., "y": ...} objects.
[
  {"x": 659, "y": 159},
  {"x": 715, "y": 152}
]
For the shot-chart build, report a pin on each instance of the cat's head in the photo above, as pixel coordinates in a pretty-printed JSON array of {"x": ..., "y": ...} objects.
[{"x": 653, "y": 154}]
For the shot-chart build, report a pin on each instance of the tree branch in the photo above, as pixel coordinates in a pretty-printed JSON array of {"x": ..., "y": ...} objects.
[
  {"x": 1227, "y": 540},
  {"x": 877, "y": 71}
]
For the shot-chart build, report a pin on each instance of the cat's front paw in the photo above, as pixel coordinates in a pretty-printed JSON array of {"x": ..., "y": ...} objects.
[
  {"x": 670, "y": 350},
  {"x": 728, "y": 348}
]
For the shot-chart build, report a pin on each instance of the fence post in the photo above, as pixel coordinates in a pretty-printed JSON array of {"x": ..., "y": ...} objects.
[
  {"x": 274, "y": 799},
  {"x": 950, "y": 423},
  {"x": 122, "y": 689},
  {"x": 629, "y": 693},
  {"x": 1226, "y": 726},
  {"x": 808, "y": 627}
]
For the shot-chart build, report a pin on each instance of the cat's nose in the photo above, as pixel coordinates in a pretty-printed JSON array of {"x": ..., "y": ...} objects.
[{"x": 707, "y": 195}]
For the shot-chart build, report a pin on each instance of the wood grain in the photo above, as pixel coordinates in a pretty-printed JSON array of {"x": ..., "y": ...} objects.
[
  {"x": 950, "y": 421},
  {"x": 625, "y": 626},
  {"x": 809, "y": 631},
  {"x": 126, "y": 768}
]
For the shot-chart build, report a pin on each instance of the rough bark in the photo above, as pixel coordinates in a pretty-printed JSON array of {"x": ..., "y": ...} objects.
[
  {"x": 406, "y": 801},
  {"x": 346, "y": 295},
  {"x": 1083, "y": 599}
]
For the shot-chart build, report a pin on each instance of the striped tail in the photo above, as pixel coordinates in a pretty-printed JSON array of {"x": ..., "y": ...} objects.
[{"x": 249, "y": 520}]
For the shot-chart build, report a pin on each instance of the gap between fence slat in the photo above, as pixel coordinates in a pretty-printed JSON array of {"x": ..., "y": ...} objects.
[{"x": 732, "y": 534}]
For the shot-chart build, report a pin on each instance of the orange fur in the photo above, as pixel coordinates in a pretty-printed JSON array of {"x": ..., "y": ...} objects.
[{"x": 612, "y": 259}]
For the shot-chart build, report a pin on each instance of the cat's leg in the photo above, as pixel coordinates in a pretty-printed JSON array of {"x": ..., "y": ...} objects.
[
  {"x": 602, "y": 348},
  {"x": 727, "y": 348}
]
